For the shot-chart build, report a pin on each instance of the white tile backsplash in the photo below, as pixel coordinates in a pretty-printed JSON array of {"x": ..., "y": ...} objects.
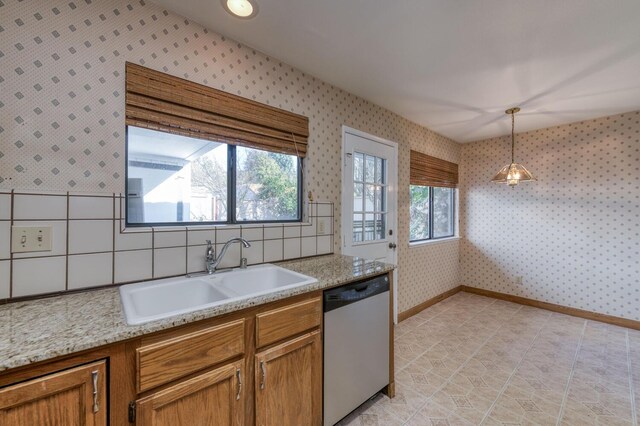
[
  {"x": 273, "y": 250},
  {"x": 291, "y": 248},
  {"x": 5, "y": 277},
  {"x": 90, "y": 236},
  {"x": 325, "y": 209},
  {"x": 195, "y": 258},
  {"x": 225, "y": 234},
  {"x": 98, "y": 253},
  {"x": 326, "y": 223},
  {"x": 39, "y": 207},
  {"x": 253, "y": 253},
  {"x": 58, "y": 239},
  {"x": 5, "y": 239},
  {"x": 132, "y": 240},
  {"x": 85, "y": 207},
  {"x": 38, "y": 276},
  {"x": 169, "y": 261},
  {"x": 272, "y": 233},
  {"x": 232, "y": 258},
  {"x": 292, "y": 231},
  {"x": 132, "y": 265},
  {"x": 169, "y": 238},
  {"x": 199, "y": 236},
  {"x": 90, "y": 270},
  {"x": 252, "y": 234},
  {"x": 5, "y": 206},
  {"x": 325, "y": 245},
  {"x": 308, "y": 246},
  {"x": 308, "y": 230}
]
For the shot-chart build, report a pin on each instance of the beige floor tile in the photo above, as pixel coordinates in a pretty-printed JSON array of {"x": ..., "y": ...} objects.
[
  {"x": 472, "y": 359},
  {"x": 434, "y": 415}
]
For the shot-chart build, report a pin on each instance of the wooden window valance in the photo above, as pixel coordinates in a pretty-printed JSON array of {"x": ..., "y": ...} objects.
[
  {"x": 159, "y": 101},
  {"x": 426, "y": 170}
]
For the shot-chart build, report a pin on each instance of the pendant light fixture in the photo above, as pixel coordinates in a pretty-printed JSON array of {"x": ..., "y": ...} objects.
[{"x": 514, "y": 173}]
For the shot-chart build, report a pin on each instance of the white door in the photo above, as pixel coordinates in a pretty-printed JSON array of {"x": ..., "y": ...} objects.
[{"x": 369, "y": 197}]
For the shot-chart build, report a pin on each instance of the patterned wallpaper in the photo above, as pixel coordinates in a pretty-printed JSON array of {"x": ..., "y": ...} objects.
[
  {"x": 62, "y": 108},
  {"x": 573, "y": 236}
]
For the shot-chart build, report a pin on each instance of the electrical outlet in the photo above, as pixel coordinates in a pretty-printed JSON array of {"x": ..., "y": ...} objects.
[
  {"x": 518, "y": 280},
  {"x": 26, "y": 239},
  {"x": 320, "y": 229}
]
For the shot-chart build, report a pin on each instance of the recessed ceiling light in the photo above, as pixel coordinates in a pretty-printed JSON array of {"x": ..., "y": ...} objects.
[{"x": 244, "y": 9}]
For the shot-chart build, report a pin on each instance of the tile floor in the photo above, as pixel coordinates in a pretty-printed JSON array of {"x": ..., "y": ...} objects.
[{"x": 472, "y": 360}]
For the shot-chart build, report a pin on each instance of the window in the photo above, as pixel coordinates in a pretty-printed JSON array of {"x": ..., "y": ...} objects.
[
  {"x": 369, "y": 197},
  {"x": 174, "y": 179},
  {"x": 432, "y": 212}
]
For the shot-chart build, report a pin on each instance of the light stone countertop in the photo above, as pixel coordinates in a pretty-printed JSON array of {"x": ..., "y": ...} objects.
[{"x": 41, "y": 329}]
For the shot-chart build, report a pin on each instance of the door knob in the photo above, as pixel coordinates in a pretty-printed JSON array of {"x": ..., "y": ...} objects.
[{"x": 392, "y": 246}]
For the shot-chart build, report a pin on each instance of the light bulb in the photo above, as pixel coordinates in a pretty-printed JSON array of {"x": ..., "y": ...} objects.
[{"x": 240, "y": 8}]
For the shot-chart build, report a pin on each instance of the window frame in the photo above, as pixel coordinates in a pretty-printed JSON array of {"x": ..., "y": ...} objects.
[
  {"x": 453, "y": 215},
  {"x": 231, "y": 194}
]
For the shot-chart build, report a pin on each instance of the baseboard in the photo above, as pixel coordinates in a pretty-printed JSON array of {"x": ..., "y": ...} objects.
[
  {"x": 424, "y": 305},
  {"x": 609, "y": 319}
]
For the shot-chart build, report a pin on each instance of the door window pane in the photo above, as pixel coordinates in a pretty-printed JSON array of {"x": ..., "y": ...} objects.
[
  {"x": 381, "y": 220},
  {"x": 357, "y": 228},
  {"x": 369, "y": 227},
  {"x": 379, "y": 170},
  {"x": 358, "y": 167},
  {"x": 442, "y": 212},
  {"x": 369, "y": 197},
  {"x": 369, "y": 168},
  {"x": 419, "y": 213},
  {"x": 358, "y": 197}
]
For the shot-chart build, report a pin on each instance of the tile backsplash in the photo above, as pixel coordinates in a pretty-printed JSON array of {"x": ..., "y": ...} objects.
[{"x": 92, "y": 248}]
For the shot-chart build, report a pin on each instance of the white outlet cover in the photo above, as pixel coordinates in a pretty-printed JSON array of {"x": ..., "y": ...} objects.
[{"x": 27, "y": 239}]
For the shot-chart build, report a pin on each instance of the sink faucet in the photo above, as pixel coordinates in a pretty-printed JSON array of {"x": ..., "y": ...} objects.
[{"x": 212, "y": 261}]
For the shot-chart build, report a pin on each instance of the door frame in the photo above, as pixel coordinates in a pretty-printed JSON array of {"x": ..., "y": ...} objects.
[{"x": 346, "y": 199}]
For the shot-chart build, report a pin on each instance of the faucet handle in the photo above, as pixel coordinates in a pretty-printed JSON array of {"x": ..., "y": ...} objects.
[{"x": 208, "y": 243}]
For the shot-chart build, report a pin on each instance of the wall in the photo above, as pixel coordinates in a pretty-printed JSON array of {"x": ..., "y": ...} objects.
[
  {"x": 574, "y": 236},
  {"x": 62, "y": 109}
]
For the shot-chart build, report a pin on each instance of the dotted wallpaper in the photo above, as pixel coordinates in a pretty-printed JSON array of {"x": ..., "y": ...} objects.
[
  {"x": 573, "y": 236},
  {"x": 62, "y": 108}
]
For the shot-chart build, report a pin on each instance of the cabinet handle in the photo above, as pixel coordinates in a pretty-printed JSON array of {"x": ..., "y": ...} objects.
[
  {"x": 264, "y": 374},
  {"x": 94, "y": 379},
  {"x": 239, "y": 377}
]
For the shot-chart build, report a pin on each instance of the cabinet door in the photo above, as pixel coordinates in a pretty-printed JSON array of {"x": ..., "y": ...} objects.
[
  {"x": 74, "y": 397},
  {"x": 289, "y": 383},
  {"x": 215, "y": 398}
]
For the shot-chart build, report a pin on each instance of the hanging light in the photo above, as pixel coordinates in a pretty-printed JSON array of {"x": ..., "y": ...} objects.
[{"x": 514, "y": 173}]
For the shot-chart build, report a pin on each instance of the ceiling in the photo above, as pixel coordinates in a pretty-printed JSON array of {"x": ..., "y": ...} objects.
[{"x": 454, "y": 66}]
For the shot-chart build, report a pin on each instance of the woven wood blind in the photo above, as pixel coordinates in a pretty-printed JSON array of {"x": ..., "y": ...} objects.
[
  {"x": 159, "y": 101},
  {"x": 426, "y": 170}
]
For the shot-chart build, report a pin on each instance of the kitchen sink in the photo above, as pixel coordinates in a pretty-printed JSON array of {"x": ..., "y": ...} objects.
[{"x": 153, "y": 300}]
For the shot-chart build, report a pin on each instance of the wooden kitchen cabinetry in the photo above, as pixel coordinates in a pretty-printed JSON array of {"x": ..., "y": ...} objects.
[
  {"x": 257, "y": 366},
  {"x": 212, "y": 398},
  {"x": 289, "y": 383},
  {"x": 74, "y": 397}
]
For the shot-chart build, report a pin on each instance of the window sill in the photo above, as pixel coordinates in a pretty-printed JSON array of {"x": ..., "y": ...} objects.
[{"x": 432, "y": 242}]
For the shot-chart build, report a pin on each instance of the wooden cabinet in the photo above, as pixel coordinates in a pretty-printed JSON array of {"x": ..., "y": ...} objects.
[
  {"x": 288, "y": 380},
  {"x": 73, "y": 397},
  {"x": 257, "y": 366},
  {"x": 214, "y": 398}
]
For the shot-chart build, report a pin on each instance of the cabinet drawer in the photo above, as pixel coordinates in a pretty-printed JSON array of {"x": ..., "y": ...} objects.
[
  {"x": 170, "y": 359},
  {"x": 281, "y": 323}
]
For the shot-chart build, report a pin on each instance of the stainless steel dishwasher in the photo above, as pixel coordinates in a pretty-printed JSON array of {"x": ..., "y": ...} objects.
[{"x": 356, "y": 345}]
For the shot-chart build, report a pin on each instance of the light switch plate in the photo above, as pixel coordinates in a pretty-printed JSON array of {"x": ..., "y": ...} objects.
[{"x": 26, "y": 239}]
